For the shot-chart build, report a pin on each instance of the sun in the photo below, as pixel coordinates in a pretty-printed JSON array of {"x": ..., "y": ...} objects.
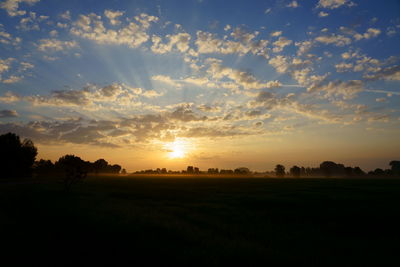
[{"x": 177, "y": 149}]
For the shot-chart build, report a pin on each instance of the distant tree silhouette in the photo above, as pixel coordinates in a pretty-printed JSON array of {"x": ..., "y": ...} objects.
[
  {"x": 190, "y": 169},
  {"x": 213, "y": 171},
  {"x": 44, "y": 167},
  {"x": 16, "y": 157},
  {"x": 329, "y": 168},
  {"x": 100, "y": 166},
  {"x": 295, "y": 171},
  {"x": 115, "y": 168},
  {"x": 378, "y": 171},
  {"x": 358, "y": 172},
  {"x": 395, "y": 167},
  {"x": 280, "y": 170},
  {"x": 74, "y": 168},
  {"x": 123, "y": 171},
  {"x": 242, "y": 170}
]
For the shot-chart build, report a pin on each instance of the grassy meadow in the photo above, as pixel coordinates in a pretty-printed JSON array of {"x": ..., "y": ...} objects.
[{"x": 195, "y": 221}]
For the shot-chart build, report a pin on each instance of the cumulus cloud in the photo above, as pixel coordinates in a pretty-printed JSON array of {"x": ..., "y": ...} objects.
[
  {"x": 55, "y": 45},
  {"x": 323, "y": 14},
  {"x": 7, "y": 39},
  {"x": 178, "y": 41},
  {"x": 242, "y": 78},
  {"x": 66, "y": 15},
  {"x": 166, "y": 79},
  {"x": 12, "y": 79},
  {"x": 344, "y": 89},
  {"x": 242, "y": 44},
  {"x": 332, "y": 4},
  {"x": 338, "y": 40},
  {"x": 370, "y": 33},
  {"x": 280, "y": 44},
  {"x": 390, "y": 73},
  {"x": 113, "y": 16},
  {"x": 276, "y": 33},
  {"x": 90, "y": 97},
  {"x": 343, "y": 67},
  {"x": 12, "y": 6},
  {"x": 5, "y": 113},
  {"x": 293, "y": 4},
  {"x": 132, "y": 35},
  {"x": 5, "y": 64}
]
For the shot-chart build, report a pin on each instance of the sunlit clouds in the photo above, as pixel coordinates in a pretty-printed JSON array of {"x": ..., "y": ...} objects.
[{"x": 185, "y": 83}]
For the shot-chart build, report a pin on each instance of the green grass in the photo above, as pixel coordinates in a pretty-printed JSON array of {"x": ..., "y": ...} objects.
[{"x": 204, "y": 221}]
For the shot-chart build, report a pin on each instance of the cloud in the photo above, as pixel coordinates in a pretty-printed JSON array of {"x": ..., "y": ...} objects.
[
  {"x": 5, "y": 64},
  {"x": 280, "y": 44},
  {"x": 7, "y": 39},
  {"x": 390, "y": 73},
  {"x": 293, "y": 4},
  {"x": 209, "y": 108},
  {"x": 242, "y": 78},
  {"x": 186, "y": 114},
  {"x": 12, "y": 79},
  {"x": 10, "y": 97},
  {"x": 180, "y": 42},
  {"x": 12, "y": 6},
  {"x": 166, "y": 79},
  {"x": 370, "y": 33},
  {"x": 243, "y": 43},
  {"x": 213, "y": 132},
  {"x": 276, "y": 33},
  {"x": 5, "y": 113},
  {"x": 113, "y": 16},
  {"x": 343, "y": 67},
  {"x": 338, "y": 40},
  {"x": 87, "y": 98},
  {"x": 54, "y": 45},
  {"x": 151, "y": 94},
  {"x": 346, "y": 90},
  {"x": 332, "y": 4},
  {"x": 323, "y": 14},
  {"x": 66, "y": 15},
  {"x": 132, "y": 35}
]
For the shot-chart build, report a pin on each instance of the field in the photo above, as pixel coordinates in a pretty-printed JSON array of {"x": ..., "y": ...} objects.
[{"x": 170, "y": 221}]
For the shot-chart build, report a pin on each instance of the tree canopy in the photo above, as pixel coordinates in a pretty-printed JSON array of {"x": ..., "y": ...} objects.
[{"x": 16, "y": 157}]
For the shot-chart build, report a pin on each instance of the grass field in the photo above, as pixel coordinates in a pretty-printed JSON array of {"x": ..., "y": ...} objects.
[{"x": 203, "y": 221}]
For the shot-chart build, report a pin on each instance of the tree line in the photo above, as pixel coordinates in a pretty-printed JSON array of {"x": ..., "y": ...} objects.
[
  {"x": 325, "y": 169},
  {"x": 18, "y": 160}
]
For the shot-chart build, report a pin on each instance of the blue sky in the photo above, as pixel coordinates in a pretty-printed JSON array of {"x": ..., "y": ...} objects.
[{"x": 235, "y": 83}]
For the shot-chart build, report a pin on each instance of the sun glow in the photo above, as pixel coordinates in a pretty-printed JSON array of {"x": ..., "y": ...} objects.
[{"x": 177, "y": 149}]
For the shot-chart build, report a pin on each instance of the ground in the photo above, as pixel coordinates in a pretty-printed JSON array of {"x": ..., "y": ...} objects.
[{"x": 170, "y": 221}]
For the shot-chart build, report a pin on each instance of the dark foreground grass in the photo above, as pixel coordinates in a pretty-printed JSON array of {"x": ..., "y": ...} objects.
[{"x": 202, "y": 222}]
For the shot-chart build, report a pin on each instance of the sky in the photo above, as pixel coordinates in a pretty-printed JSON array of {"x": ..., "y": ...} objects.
[{"x": 210, "y": 83}]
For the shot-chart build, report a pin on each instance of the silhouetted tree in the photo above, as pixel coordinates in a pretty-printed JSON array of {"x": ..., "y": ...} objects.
[
  {"x": 115, "y": 168},
  {"x": 280, "y": 170},
  {"x": 348, "y": 171},
  {"x": 395, "y": 167},
  {"x": 358, "y": 172},
  {"x": 190, "y": 169},
  {"x": 100, "y": 166},
  {"x": 44, "y": 167},
  {"x": 123, "y": 171},
  {"x": 329, "y": 168},
  {"x": 295, "y": 171},
  {"x": 16, "y": 157},
  {"x": 74, "y": 168},
  {"x": 242, "y": 170}
]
